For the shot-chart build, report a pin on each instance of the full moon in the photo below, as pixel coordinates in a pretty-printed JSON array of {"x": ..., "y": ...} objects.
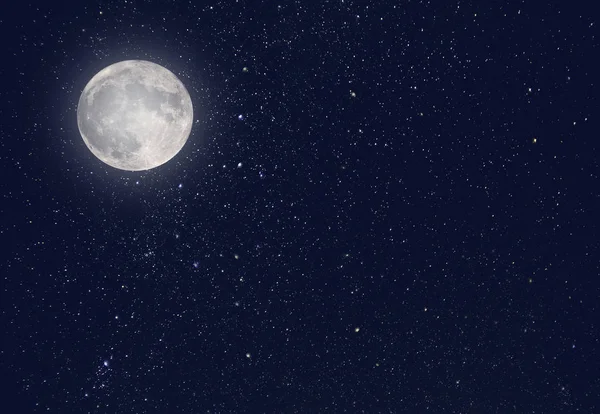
[{"x": 135, "y": 115}]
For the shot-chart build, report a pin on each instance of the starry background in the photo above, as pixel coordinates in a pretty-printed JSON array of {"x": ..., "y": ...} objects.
[{"x": 382, "y": 207}]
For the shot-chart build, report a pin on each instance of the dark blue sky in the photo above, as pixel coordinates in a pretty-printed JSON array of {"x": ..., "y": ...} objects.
[{"x": 382, "y": 207}]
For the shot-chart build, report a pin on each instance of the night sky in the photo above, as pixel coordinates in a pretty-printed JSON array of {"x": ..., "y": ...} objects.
[{"x": 382, "y": 207}]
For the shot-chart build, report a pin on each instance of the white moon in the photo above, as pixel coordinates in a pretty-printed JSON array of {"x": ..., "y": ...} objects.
[{"x": 135, "y": 115}]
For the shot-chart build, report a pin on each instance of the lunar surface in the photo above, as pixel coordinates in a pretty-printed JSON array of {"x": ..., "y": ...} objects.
[{"x": 135, "y": 115}]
